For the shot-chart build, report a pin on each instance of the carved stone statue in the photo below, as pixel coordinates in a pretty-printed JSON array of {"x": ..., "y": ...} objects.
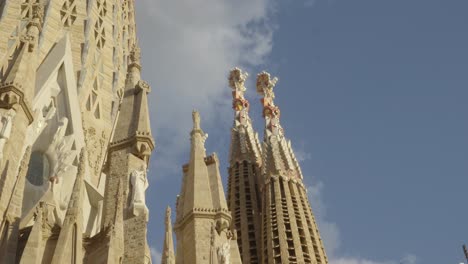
[
  {"x": 60, "y": 152},
  {"x": 42, "y": 119},
  {"x": 6, "y": 119},
  {"x": 224, "y": 253},
  {"x": 139, "y": 186}
]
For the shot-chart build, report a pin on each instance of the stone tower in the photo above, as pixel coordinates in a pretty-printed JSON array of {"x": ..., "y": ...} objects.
[
  {"x": 168, "y": 256},
  {"x": 203, "y": 221},
  {"x": 245, "y": 159},
  {"x": 289, "y": 231},
  {"x": 70, "y": 83}
]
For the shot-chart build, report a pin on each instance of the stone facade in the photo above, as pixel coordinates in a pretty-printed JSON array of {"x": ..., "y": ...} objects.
[
  {"x": 70, "y": 83},
  {"x": 75, "y": 143}
]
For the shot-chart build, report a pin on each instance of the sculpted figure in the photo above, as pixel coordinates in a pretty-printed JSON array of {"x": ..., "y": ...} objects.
[
  {"x": 5, "y": 130},
  {"x": 42, "y": 120},
  {"x": 224, "y": 253},
  {"x": 139, "y": 185}
]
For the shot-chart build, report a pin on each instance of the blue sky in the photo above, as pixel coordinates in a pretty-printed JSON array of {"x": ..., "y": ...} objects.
[{"x": 373, "y": 96}]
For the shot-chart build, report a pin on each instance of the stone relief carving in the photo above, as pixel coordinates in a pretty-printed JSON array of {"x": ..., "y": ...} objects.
[
  {"x": 61, "y": 155},
  {"x": 224, "y": 253},
  {"x": 139, "y": 185},
  {"x": 5, "y": 130},
  {"x": 59, "y": 151},
  {"x": 96, "y": 144},
  {"x": 42, "y": 118}
]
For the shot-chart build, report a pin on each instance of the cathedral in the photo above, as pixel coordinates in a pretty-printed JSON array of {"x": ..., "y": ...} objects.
[{"x": 76, "y": 140}]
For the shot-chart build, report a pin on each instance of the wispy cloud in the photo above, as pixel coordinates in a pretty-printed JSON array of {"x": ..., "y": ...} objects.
[{"x": 191, "y": 47}]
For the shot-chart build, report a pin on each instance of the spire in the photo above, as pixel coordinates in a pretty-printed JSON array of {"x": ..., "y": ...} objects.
[
  {"x": 70, "y": 238},
  {"x": 168, "y": 250},
  {"x": 244, "y": 172},
  {"x": 291, "y": 232},
  {"x": 197, "y": 185},
  {"x": 244, "y": 141},
  {"x": 278, "y": 154},
  {"x": 133, "y": 124},
  {"x": 35, "y": 244},
  {"x": 271, "y": 112},
  {"x": 202, "y": 207},
  {"x": 18, "y": 83}
]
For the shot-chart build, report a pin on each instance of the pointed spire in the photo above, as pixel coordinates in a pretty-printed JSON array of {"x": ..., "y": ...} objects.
[
  {"x": 168, "y": 250},
  {"x": 69, "y": 241},
  {"x": 244, "y": 140},
  {"x": 134, "y": 67},
  {"x": 18, "y": 84},
  {"x": 278, "y": 154},
  {"x": 271, "y": 112},
  {"x": 202, "y": 200},
  {"x": 133, "y": 126},
  {"x": 244, "y": 171},
  {"x": 198, "y": 185},
  {"x": 35, "y": 244},
  {"x": 240, "y": 105}
]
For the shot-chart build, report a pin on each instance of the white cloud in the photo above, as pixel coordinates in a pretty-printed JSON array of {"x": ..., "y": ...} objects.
[
  {"x": 155, "y": 255},
  {"x": 188, "y": 49}
]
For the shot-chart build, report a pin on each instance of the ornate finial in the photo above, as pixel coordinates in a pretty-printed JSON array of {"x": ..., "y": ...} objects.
[
  {"x": 236, "y": 81},
  {"x": 271, "y": 112},
  {"x": 168, "y": 215},
  {"x": 135, "y": 55},
  {"x": 196, "y": 120},
  {"x": 237, "y": 78},
  {"x": 265, "y": 85}
]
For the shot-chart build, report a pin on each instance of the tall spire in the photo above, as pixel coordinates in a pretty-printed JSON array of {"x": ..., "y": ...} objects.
[
  {"x": 244, "y": 172},
  {"x": 197, "y": 181},
  {"x": 290, "y": 232},
  {"x": 18, "y": 83},
  {"x": 168, "y": 250},
  {"x": 133, "y": 124},
  {"x": 274, "y": 138},
  {"x": 202, "y": 212},
  {"x": 69, "y": 241}
]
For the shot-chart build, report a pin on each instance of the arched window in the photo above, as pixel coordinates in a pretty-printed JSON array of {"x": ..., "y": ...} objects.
[{"x": 38, "y": 168}]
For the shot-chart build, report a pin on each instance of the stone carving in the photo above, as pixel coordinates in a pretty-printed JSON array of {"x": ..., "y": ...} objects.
[
  {"x": 41, "y": 120},
  {"x": 95, "y": 148},
  {"x": 139, "y": 186},
  {"x": 135, "y": 54},
  {"x": 59, "y": 151},
  {"x": 221, "y": 225},
  {"x": 265, "y": 85},
  {"x": 224, "y": 253},
  {"x": 213, "y": 235},
  {"x": 237, "y": 79},
  {"x": 6, "y": 119}
]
